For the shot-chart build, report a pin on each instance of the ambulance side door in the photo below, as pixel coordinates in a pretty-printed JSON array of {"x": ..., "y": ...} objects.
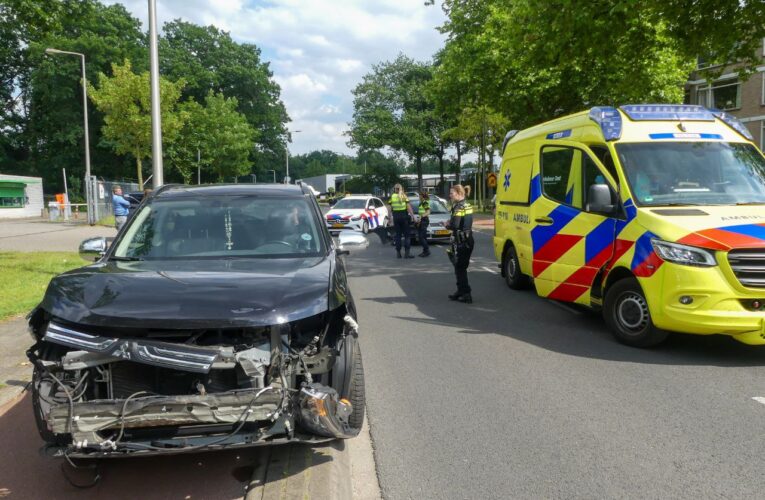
[{"x": 571, "y": 244}]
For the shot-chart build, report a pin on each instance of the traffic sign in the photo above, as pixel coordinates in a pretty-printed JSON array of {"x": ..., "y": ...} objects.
[{"x": 491, "y": 180}]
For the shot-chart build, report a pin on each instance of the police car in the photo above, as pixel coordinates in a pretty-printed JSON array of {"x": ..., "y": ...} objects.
[{"x": 359, "y": 212}]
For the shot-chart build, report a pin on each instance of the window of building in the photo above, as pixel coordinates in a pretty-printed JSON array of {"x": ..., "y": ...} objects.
[
  {"x": 12, "y": 194},
  {"x": 723, "y": 94}
]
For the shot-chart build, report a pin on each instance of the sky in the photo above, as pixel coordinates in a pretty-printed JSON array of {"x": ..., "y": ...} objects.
[{"x": 318, "y": 50}]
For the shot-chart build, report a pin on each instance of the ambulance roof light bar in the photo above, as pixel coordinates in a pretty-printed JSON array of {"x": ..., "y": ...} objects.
[
  {"x": 508, "y": 136},
  {"x": 609, "y": 120},
  {"x": 667, "y": 112},
  {"x": 733, "y": 123}
]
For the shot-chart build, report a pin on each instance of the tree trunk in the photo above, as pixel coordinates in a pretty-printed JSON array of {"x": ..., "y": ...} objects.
[
  {"x": 418, "y": 163},
  {"x": 139, "y": 167},
  {"x": 441, "y": 165},
  {"x": 459, "y": 163}
]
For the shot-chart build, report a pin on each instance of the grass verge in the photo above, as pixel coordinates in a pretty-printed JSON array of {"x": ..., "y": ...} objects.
[
  {"x": 106, "y": 221},
  {"x": 26, "y": 276}
]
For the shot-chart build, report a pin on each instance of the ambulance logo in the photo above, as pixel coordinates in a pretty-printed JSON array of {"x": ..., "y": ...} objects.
[{"x": 506, "y": 184}]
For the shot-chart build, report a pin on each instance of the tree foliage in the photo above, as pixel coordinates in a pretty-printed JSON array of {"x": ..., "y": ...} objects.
[
  {"x": 125, "y": 101},
  {"x": 392, "y": 109}
]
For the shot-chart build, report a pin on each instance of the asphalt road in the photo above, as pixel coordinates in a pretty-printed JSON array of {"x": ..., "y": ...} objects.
[{"x": 515, "y": 396}]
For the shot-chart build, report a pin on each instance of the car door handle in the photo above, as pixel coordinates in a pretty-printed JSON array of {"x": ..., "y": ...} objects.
[{"x": 546, "y": 221}]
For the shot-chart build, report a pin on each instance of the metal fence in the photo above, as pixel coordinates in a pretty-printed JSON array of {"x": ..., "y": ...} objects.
[{"x": 101, "y": 196}]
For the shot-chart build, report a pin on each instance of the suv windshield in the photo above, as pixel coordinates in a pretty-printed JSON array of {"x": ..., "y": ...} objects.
[
  {"x": 694, "y": 173},
  {"x": 348, "y": 203},
  {"x": 222, "y": 226}
]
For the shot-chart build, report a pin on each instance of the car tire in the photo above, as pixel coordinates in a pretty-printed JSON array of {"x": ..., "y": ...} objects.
[
  {"x": 626, "y": 313},
  {"x": 365, "y": 227},
  {"x": 511, "y": 269},
  {"x": 347, "y": 378},
  {"x": 49, "y": 437}
]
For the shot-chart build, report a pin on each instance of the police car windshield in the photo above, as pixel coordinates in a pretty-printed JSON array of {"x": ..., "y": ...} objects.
[
  {"x": 351, "y": 203},
  {"x": 693, "y": 173},
  {"x": 222, "y": 227}
]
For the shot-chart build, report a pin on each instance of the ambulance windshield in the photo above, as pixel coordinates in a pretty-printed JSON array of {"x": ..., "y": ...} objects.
[{"x": 693, "y": 173}]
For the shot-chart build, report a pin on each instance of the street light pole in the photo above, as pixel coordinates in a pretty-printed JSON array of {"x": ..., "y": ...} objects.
[
  {"x": 91, "y": 211},
  {"x": 287, "y": 154},
  {"x": 156, "y": 117}
]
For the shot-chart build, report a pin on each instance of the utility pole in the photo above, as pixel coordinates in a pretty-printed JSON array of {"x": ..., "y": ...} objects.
[
  {"x": 156, "y": 117},
  {"x": 199, "y": 167},
  {"x": 287, "y": 154}
]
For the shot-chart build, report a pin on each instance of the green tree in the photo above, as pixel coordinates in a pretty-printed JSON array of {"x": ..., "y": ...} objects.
[
  {"x": 219, "y": 133},
  {"x": 41, "y": 95},
  {"x": 208, "y": 59},
  {"x": 125, "y": 101},
  {"x": 392, "y": 109}
]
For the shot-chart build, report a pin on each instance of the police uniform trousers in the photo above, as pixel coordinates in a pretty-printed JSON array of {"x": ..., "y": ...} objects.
[
  {"x": 463, "y": 251},
  {"x": 422, "y": 233},
  {"x": 401, "y": 225}
]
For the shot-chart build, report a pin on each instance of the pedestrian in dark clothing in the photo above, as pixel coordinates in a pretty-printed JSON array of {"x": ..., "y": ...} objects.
[
  {"x": 423, "y": 221},
  {"x": 402, "y": 215},
  {"x": 461, "y": 225}
]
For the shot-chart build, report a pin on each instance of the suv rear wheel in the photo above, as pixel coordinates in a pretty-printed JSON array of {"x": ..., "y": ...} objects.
[{"x": 626, "y": 312}]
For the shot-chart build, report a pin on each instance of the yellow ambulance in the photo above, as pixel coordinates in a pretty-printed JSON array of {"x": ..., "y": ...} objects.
[{"x": 654, "y": 214}]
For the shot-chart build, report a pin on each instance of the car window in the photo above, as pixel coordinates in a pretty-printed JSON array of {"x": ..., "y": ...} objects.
[
  {"x": 557, "y": 165},
  {"x": 217, "y": 226},
  {"x": 378, "y": 203},
  {"x": 351, "y": 204}
]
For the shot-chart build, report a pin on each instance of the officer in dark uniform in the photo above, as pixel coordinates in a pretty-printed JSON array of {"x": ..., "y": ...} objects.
[
  {"x": 461, "y": 224},
  {"x": 423, "y": 214},
  {"x": 402, "y": 213}
]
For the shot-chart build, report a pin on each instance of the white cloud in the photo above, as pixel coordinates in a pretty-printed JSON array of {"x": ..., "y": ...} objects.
[{"x": 318, "y": 49}]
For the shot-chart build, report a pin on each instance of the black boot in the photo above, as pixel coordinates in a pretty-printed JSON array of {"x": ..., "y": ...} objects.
[
  {"x": 407, "y": 255},
  {"x": 454, "y": 296},
  {"x": 398, "y": 254},
  {"x": 424, "y": 254},
  {"x": 466, "y": 298}
]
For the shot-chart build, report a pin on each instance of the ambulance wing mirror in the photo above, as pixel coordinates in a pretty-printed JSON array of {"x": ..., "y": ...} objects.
[{"x": 600, "y": 199}]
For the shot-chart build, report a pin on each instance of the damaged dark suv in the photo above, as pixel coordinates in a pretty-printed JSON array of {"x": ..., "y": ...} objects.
[{"x": 219, "y": 317}]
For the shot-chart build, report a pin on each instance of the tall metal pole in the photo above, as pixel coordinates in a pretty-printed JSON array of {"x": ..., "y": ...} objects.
[
  {"x": 287, "y": 159},
  {"x": 199, "y": 168},
  {"x": 156, "y": 118}
]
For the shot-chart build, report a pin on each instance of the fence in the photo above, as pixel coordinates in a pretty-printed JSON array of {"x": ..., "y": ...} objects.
[{"x": 101, "y": 197}]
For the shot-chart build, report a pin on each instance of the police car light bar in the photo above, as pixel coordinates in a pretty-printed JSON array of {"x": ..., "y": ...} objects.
[
  {"x": 667, "y": 112},
  {"x": 610, "y": 121},
  {"x": 733, "y": 123}
]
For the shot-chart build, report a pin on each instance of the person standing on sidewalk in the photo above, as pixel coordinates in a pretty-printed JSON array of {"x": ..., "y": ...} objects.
[
  {"x": 423, "y": 213},
  {"x": 461, "y": 225},
  {"x": 402, "y": 215},
  {"x": 121, "y": 207}
]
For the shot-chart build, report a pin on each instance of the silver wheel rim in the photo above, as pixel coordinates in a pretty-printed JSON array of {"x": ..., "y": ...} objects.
[
  {"x": 511, "y": 267},
  {"x": 632, "y": 312}
]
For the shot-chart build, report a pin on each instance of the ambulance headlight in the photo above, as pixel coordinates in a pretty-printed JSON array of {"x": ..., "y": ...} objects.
[{"x": 683, "y": 254}]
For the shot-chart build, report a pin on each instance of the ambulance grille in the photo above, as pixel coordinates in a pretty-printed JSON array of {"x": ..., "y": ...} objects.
[{"x": 748, "y": 266}]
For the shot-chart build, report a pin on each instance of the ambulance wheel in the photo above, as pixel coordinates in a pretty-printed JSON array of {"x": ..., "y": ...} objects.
[
  {"x": 365, "y": 227},
  {"x": 627, "y": 315},
  {"x": 511, "y": 269}
]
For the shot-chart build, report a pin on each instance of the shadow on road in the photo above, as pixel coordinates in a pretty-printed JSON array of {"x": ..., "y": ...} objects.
[
  {"x": 25, "y": 471},
  {"x": 524, "y": 316}
]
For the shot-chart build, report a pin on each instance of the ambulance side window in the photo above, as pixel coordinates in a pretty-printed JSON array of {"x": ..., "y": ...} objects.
[
  {"x": 604, "y": 155},
  {"x": 556, "y": 169},
  {"x": 592, "y": 175}
]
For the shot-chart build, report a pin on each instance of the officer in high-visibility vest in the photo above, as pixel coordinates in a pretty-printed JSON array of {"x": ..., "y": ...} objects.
[
  {"x": 402, "y": 214},
  {"x": 461, "y": 224},
  {"x": 423, "y": 221}
]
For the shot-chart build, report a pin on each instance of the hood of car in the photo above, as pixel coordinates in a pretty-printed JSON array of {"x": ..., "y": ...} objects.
[{"x": 192, "y": 293}]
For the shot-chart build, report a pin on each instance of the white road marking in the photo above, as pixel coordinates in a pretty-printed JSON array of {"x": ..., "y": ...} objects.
[
  {"x": 759, "y": 399},
  {"x": 565, "y": 307},
  {"x": 492, "y": 271}
]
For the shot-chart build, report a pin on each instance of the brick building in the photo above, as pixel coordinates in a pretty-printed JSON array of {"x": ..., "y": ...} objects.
[{"x": 743, "y": 99}]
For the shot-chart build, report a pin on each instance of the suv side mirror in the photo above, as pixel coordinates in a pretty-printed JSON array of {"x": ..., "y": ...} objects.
[
  {"x": 93, "y": 249},
  {"x": 600, "y": 199}
]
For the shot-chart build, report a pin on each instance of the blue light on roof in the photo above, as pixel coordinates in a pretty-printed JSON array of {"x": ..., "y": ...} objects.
[
  {"x": 610, "y": 121},
  {"x": 733, "y": 123},
  {"x": 667, "y": 112}
]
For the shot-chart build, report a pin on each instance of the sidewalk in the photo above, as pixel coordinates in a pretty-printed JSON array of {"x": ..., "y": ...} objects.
[
  {"x": 15, "y": 369},
  {"x": 34, "y": 235}
]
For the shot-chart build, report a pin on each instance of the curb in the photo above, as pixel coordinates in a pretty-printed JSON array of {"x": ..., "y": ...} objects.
[{"x": 302, "y": 471}]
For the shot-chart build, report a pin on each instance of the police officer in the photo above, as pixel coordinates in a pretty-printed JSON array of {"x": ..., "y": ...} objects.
[
  {"x": 461, "y": 224},
  {"x": 402, "y": 214},
  {"x": 423, "y": 221}
]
